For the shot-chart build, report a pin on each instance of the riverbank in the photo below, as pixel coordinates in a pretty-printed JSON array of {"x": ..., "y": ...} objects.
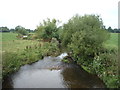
[
  {"x": 17, "y": 52},
  {"x": 51, "y": 72},
  {"x": 105, "y": 64}
]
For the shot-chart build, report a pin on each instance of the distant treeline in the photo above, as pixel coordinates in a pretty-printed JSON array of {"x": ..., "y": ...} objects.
[
  {"x": 6, "y": 29},
  {"x": 113, "y": 30}
]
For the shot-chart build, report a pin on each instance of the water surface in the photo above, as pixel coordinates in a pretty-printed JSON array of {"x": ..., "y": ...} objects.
[{"x": 52, "y": 73}]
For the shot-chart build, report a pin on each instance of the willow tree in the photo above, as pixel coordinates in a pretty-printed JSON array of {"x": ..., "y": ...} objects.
[{"x": 84, "y": 37}]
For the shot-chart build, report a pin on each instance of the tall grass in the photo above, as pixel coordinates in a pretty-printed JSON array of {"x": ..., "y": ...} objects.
[
  {"x": 17, "y": 45},
  {"x": 17, "y": 52}
]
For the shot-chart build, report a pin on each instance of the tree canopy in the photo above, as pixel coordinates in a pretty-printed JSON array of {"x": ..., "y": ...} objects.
[
  {"x": 21, "y": 30},
  {"x": 48, "y": 29},
  {"x": 84, "y": 36},
  {"x": 4, "y": 29}
]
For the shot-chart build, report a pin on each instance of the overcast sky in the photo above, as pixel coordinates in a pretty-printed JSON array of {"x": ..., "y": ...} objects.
[{"x": 29, "y": 13}]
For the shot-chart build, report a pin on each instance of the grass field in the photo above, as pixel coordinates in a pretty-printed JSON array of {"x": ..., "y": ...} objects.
[
  {"x": 17, "y": 45},
  {"x": 9, "y": 36},
  {"x": 11, "y": 43},
  {"x": 112, "y": 42}
]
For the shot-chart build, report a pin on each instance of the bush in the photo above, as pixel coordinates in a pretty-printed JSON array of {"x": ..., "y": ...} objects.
[
  {"x": 49, "y": 49},
  {"x": 84, "y": 36},
  {"x": 105, "y": 66},
  {"x": 21, "y": 30},
  {"x": 11, "y": 62},
  {"x": 47, "y": 30}
]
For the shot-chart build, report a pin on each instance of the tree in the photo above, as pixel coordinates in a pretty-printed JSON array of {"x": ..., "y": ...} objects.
[
  {"x": 4, "y": 29},
  {"x": 47, "y": 30},
  {"x": 116, "y": 30},
  {"x": 28, "y": 30},
  {"x": 110, "y": 29},
  {"x": 21, "y": 30},
  {"x": 12, "y": 30},
  {"x": 84, "y": 37}
]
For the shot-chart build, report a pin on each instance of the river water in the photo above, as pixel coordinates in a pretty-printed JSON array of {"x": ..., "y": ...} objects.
[{"x": 52, "y": 73}]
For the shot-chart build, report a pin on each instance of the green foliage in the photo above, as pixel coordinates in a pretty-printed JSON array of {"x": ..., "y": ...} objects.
[
  {"x": 84, "y": 36},
  {"x": 10, "y": 63},
  {"x": 47, "y": 30},
  {"x": 113, "y": 30},
  {"x": 12, "y": 30},
  {"x": 89, "y": 25},
  {"x": 12, "y": 60},
  {"x": 21, "y": 30},
  {"x": 4, "y": 29},
  {"x": 65, "y": 60},
  {"x": 106, "y": 67},
  {"x": 49, "y": 49}
]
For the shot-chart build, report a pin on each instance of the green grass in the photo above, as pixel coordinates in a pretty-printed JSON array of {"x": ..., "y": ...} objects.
[
  {"x": 17, "y": 45},
  {"x": 9, "y": 36},
  {"x": 112, "y": 42},
  {"x": 18, "y": 52},
  {"x": 11, "y": 43},
  {"x": 111, "y": 79},
  {"x": 14, "y": 54}
]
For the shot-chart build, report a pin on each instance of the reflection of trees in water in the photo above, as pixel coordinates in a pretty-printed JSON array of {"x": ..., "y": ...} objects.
[{"x": 75, "y": 77}]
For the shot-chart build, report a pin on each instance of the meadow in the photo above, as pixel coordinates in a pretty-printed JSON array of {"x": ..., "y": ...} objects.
[
  {"x": 9, "y": 36},
  {"x": 11, "y": 43},
  {"x": 112, "y": 42}
]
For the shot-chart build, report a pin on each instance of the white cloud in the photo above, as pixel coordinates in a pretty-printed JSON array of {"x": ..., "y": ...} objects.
[{"x": 29, "y": 13}]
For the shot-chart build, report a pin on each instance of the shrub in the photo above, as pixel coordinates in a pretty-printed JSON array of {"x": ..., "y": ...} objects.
[{"x": 47, "y": 30}]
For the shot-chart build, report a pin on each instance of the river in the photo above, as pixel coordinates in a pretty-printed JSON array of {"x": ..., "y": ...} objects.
[{"x": 52, "y": 73}]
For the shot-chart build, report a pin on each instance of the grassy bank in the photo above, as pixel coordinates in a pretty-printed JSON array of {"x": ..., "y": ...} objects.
[
  {"x": 106, "y": 64},
  {"x": 18, "y": 52}
]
